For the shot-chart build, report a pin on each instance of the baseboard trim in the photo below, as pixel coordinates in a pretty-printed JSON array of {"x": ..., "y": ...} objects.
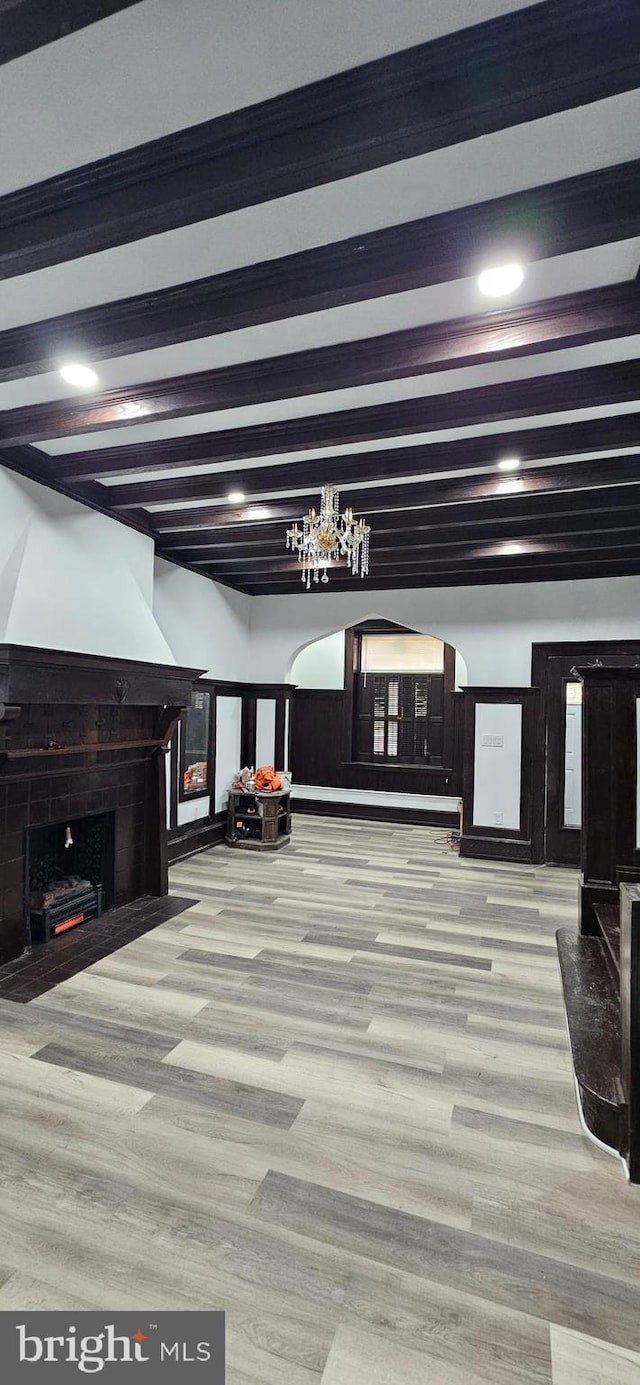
[
  {"x": 190, "y": 839},
  {"x": 496, "y": 849},
  {"x": 426, "y": 817}
]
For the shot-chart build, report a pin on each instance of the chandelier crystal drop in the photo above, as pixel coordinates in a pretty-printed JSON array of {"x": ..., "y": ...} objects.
[{"x": 327, "y": 536}]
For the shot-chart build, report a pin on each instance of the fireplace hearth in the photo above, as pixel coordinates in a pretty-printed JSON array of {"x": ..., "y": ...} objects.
[{"x": 82, "y": 756}]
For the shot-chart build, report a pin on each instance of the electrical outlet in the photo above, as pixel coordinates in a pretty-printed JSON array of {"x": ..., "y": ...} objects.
[{"x": 497, "y": 819}]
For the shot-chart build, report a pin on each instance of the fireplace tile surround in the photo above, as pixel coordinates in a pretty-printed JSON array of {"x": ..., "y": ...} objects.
[{"x": 80, "y": 735}]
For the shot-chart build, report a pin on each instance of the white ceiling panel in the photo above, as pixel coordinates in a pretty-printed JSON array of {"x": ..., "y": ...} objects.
[
  {"x": 164, "y": 65},
  {"x": 160, "y": 67},
  {"x": 423, "y": 439},
  {"x": 544, "y": 279},
  {"x": 359, "y": 397},
  {"x": 542, "y": 151},
  {"x": 219, "y": 499}
]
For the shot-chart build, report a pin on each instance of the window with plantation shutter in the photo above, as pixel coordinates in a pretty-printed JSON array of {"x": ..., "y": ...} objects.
[{"x": 399, "y": 718}]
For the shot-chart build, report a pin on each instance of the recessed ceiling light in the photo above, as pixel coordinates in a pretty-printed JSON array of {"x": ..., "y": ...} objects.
[
  {"x": 236, "y": 497},
  {"x": 505, "y": 278},
  {"x": 81, "y": 375},
  {"x": 509, "y": 464},
  {"x": 132, "y": 409},
  {"x": 514, "y": 483}
]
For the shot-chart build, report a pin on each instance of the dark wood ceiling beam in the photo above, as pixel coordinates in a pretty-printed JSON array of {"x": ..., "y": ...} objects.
[
  {"x": 555, "y": 219},
  {"x": 467, "y": 563},
  {"x": 598, "y": 315},
  {"x": 421, "y": 541},
  {"x": 597, "y": 385},
  {"x": 590, "y": 508},
  {"x": 406, "y": 560},
  {"x": 496, "y": 574},
  {"x": 535, "y": 444},
  {"x": 406, "y": 552},
  {"x": 408, "y": 500},
  {"x": 510, "y": 70},
  {"x": 29, "y": 24}
]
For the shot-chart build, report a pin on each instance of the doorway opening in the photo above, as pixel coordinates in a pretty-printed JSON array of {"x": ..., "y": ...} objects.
[{"x": 557, "y": 816}]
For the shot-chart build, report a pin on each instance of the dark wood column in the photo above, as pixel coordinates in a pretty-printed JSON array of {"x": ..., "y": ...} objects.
[{"x": 609, "y": 773}]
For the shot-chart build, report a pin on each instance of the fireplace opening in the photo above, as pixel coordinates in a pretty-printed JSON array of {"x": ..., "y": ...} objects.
[{"x": 70, "y": 874}]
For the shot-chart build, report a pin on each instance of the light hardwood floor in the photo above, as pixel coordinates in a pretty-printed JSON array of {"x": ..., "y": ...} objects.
[{"x": 334, "y": 1097}]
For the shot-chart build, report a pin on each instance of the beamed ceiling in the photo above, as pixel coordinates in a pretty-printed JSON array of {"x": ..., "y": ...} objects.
[{"x": 262, "y": 224}]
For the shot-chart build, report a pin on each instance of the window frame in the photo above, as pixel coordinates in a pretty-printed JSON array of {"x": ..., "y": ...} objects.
[
  {"x": 352, "y": 750},
  {"x": 206, "y": 790}
]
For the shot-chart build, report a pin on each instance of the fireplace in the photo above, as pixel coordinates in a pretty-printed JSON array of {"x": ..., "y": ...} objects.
[
  {"x": 82, "y": 751},
  {"x": 70, "y": 874}
]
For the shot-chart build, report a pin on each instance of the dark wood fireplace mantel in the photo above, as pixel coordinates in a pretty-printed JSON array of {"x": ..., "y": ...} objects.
[
  {"x": 83, "y": 735},
  {"x": 32, "y": 675}
]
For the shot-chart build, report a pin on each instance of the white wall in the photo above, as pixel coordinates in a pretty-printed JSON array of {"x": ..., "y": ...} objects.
[
  {"x": 265, "y": 731},
  {"x": 228, "y": 732},
  {"x": 497, "y": 767},
  {"x": 206, "y": 625},
  {"x": 73, "y": 579},
  {"x": 492, "y": 627},
  {"x": 320, "y": 664}
]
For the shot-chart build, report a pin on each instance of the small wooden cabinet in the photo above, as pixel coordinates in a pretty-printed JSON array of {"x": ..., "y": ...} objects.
[{"x": 259, "y": 821}]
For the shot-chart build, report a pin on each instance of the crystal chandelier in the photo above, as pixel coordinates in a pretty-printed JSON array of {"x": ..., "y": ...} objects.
[{"x": 328, "y": 536}]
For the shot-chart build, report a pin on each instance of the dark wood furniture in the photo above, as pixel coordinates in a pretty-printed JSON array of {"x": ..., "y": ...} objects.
[
  {"x": 600, "y": 964},
  {"x": 259, "y": 821}
]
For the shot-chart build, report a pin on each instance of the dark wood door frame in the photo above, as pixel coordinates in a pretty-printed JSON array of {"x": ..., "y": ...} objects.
[{"x": 578, "y": 651}]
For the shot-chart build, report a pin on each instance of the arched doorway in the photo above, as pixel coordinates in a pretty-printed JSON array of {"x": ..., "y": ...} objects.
[{"x": 376, "y": 713}]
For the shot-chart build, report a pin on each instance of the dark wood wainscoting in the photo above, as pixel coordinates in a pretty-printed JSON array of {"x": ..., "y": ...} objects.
[
  {"x": 499, "y": 843},
  {"x": 316, "y": 737},
  {"x": 374, "y": 812},
  {"x": 196, "y": 836},
  {"x": 317, "y": 752},
  {"x": 185, "y": 839}
]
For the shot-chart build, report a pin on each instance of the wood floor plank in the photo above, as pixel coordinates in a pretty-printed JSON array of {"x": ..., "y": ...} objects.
[
  {"x": 363, "y": 1358},
  {"x": 253, "y": 1103},
  {"x": 533, "y": 1283},
  {"x": 333, "y": 1097},
  {"x": 576, "y": 1357}
]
